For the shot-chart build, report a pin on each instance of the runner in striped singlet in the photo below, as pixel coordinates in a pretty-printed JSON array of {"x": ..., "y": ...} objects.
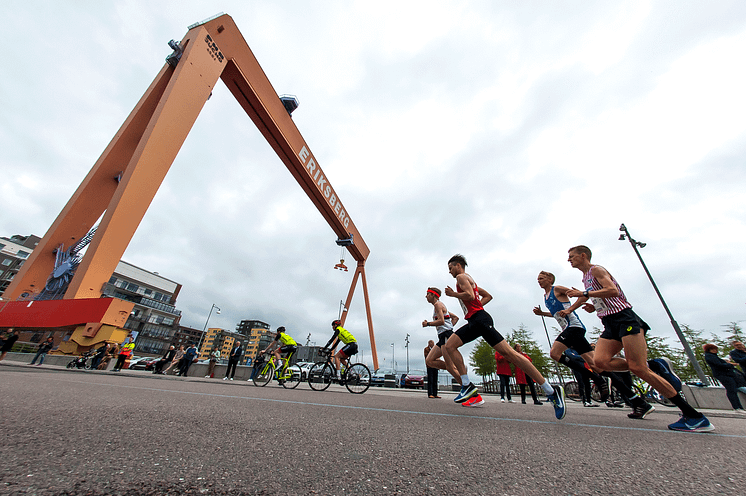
[{"x": 624, "y": 330}]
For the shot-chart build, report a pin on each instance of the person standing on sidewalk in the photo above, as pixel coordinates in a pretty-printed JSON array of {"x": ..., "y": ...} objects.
[
  {"x": 523, "y": 380},
  {"x": 432, "y": 373},
  {"x": 624, "y": 330},
  {"x": 504, "y": 372},
  {"x": 125, "y": 352},
  {"x": 233, "y": 359},
  {"x": 44, "y": 348},
  {"x": 214, "y": 357}
]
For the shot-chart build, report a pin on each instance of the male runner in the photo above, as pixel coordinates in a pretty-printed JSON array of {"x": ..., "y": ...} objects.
[
  {"x": 624, "y": 330},
  {"x": 480, "y": 324},
  {"x": 443, "y": 322},
  {"x": 349, "y": 348}
]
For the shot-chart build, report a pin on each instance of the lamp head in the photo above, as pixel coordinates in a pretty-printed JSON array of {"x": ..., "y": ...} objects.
[
  {"x": 623, "y": 228},
  {"x": 621, "y": 237},
  {"x": 642, "y": 245}
]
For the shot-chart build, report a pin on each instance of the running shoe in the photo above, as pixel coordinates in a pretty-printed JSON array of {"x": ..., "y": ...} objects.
[
  {"x": 466, "y": 392},
  {"x": 687, "y": 424},
  {"x": 641, "y": 411},
  {"x": 558, "y": 402},
  {"x": 588, "y": 404},
  {"x": 662, "y": 366},
  {"x": 475, "y": 400},
  {"x": 603, "y": 390}
]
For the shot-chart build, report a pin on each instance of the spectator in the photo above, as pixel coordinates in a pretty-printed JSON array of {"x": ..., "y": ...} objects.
[
  {"x": 167, "y": 357},
  {"x": 44, "y": 348},
  {"x": 177, "y": 358},
  {"x": 523, "y": 380},
  {"x": 505, "y": 373},
  {"x": 727, "y": 375},
  {"x": 189, "y": 356},
  {"x": 125, "y": 352},
  {"x": 100, "y": 352},
  {"x": 738, "y": 355},
  {"x": 214, "y": 357},
  {"x": 233, "y": 359},
  {"x": 111, "y": 352},
  {"x": 10, "y": 340},
  {"x": 432, "y": 373}
]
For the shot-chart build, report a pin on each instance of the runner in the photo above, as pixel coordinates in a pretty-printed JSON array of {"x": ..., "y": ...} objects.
[
  {"x": 480, "y": 324},
  {"x": 573, "y": 337},
  {"x": 624, "y": 330},
  {"x": 443, "y": 322}
]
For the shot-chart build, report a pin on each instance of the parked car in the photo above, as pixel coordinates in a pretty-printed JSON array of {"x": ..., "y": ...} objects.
[
  {"x": 383, "y": 376},
  {"x": 415, "y": 379},
  {"x": 139, "y": 363},
  {"x": 304, "y": 368}
]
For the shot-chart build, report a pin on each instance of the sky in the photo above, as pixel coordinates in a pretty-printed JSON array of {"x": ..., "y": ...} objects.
[{"x": 504, "y": 131}]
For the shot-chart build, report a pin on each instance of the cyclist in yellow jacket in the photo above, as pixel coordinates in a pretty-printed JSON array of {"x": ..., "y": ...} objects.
[
  {"x": 349, "y": 341},
  {"x": 282, "y": 343}
]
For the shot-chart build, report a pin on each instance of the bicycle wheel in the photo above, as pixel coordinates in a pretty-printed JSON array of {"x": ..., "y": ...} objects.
[
  {"x": 320, "y": 376},
  {"x": 264, "y": 375},
  {"x": 572, "y": 391},
  {"x": 291, "y": 377},
  {"x": 357, "y": 378}
]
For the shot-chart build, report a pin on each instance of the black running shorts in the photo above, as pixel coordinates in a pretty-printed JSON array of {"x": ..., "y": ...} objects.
[
  {"x": 349, "y": 349},
  {"x": 443, "y": 337},
  {"x": 574, "y": 337},
  {"x": 622, "y": 323},
  {"x": 480, "y": 325}
]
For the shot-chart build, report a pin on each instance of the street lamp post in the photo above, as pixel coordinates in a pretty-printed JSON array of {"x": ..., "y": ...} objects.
[
  {"x": 393, "y": 358},
  {"x": 687, "y": 349},
  {"x": 204, "y": 329},
  {"x": 406, "y": 340}
]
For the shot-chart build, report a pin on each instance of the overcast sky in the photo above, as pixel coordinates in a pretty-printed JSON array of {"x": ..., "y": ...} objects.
[{"x": 506, "y": 131}]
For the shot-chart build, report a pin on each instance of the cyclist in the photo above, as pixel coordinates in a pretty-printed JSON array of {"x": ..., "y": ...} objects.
[
  {"x": 349, "y": 348},
  {"x": 283, "y": 344}
]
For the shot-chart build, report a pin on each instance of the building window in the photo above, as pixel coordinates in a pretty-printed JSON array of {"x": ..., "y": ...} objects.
[
  {"x": 132, "y": 287},
  {"x": 7, "y": 262},
  {"x": 112, "y": 280},
  {"x": 148, "y": 292},
  {"x": 23, "y": 254}
]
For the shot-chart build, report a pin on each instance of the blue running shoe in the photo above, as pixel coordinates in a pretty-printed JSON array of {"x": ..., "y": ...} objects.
[
  {"x": 687, "y": 424},
  {"x": 466, "y": 393},
  {"x": 558, "y": 402},
  {"x": 662, "y": 367}
]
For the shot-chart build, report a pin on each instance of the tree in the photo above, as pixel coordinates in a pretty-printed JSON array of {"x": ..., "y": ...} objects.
[
  {"x": 735, "y": 332},
  {"x": 524, "y": 337},
  {"x": 482, "y": 360},
  {"x": 695, "y": 340}
]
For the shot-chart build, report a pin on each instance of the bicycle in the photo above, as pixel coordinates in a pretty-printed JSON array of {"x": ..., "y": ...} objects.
[
  {"x": 289, "y": 375},
  {"x": 356, "y": 377},
  {"x": 649, "y": 393}
]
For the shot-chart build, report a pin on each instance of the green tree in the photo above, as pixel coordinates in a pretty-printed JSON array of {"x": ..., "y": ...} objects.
[
  {"x": 695, "y": 340},
  {"x": 482, "y": 360},
  {"x": 735, "y": 333},
  {"x": 524, "y": 337}
]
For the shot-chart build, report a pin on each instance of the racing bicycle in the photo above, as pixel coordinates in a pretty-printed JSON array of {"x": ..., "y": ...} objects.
[
  {"x": 356, "y": 377},
  {"x": 288, "y": 375}
]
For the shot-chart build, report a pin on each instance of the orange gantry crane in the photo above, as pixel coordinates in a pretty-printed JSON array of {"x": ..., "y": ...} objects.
[{"x": 124, "y": 180}]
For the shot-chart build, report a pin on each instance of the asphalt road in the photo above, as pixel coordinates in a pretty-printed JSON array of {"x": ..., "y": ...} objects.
[{"x": 92, "y": 433}]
